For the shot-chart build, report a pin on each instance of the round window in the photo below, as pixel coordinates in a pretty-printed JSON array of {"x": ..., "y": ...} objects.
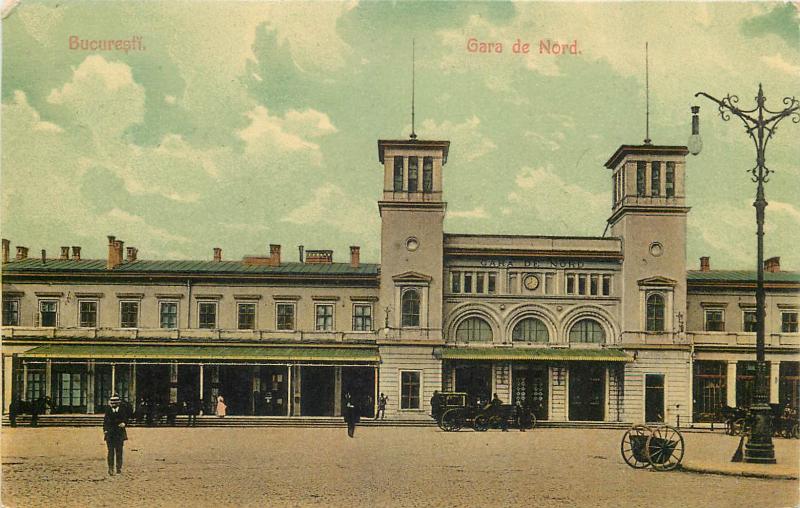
[
  {"x": 656, "y": 249},
  {"x": 412, "y": 244}
]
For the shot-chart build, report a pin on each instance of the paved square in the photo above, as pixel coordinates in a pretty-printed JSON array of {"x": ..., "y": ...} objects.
[{"x": 381, "y": 467}]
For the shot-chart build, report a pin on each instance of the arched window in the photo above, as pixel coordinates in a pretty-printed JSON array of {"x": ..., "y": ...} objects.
[
  {"x": 410, "y": 304},
  {"x": 655, "y": 313},
  {"x": 530, "y": 330},
  {"x": 474, "y": 329},
  {"x": 587, "y": 330}
]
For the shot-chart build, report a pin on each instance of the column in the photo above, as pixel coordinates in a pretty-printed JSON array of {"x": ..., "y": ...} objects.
[
  {"x": 113, "y": 378},
  {"x": 289, "y": 392},
  {"x": 173, "y": 383},
  {"x": 256, "y": 389},
  {"x": 297, "y": 381},
  {"x": 774, "y": 382},
  {"x": 48, "y": 382},
  {"x": 200, "y": 398},
  {"x": 9, "y": 373},
  {"x": 90, "y": 386},
  {"x": 337, "y": 391},
  {"x": 132, "y": 385},
  {"x": 24, "y": 395},
  {"x": 730, "y": 383}
]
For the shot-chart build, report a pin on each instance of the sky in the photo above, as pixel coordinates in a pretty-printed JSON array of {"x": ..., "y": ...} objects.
[{"x": 237, "y": 125}]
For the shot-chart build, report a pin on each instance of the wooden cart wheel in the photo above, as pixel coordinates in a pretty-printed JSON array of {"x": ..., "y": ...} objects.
[
  {"x": 529, "y": 422},
  {"x": 495, "y": 422},
  {"x": 665, "y": 448},
  {"x": 481, "y": 423},
  {"x": 634, "y": 446}
]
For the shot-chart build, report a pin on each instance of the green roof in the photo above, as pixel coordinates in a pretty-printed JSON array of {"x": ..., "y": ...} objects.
[
  {"x": 193, "y": 267},
  {"x": 205, "y": 352},
  {"x": 740, "y": 276},
  {"x": 519, "y": 353}
]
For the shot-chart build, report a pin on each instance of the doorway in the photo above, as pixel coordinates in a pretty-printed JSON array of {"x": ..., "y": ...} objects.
[
  {"x": 530, "y": 388},
  {"x": 476, "y": 381},
  {"x": 317, "y": 386},
  {"x": 359, "y": 382},
  {"x": 587, "y": 386},
  {"x": 654, "y": 398}
]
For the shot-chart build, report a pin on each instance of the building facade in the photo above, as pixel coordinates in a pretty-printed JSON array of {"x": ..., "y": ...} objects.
[{"x": 611, "y": 328}]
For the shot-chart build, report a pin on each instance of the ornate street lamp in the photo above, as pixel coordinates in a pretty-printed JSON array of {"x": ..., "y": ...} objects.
[{"x": 759, "y": 447}]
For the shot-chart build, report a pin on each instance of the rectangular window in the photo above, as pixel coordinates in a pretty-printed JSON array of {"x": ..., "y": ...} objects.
[
  {"x": 35, "y": 388},
  {"x": 247, "y": 316},
  {"x": 492, "y": 284},
  {"x": 362, "y": 318},
  {"x": 641, "y": 174},
  {"x": 571, "y": 284},
  {"x": 48, "y": 313},
  {"x": 479, "y": 279},
  {"x": 324, "y": 318},
  {"x": 413, "y": 174},
  {"x": 468, "y": 283},
  {"x": 549, "y": 284},
  {"x": 512, "y": 283},
  {"x": 669, "y": 180},
  {"x": 285, "y": 316},
  {"x": 593, "y": 285},
  {"x": 168, "y": 314},
  {"x": 410, "y": 382},
  {"x": 455, "y": 282},
  {"x": 655, "y": 179},
  {"x": 398, "y": 174},
  {"x": 129, "y": 314},
  {"x": 789, "y": 322},
  {"x": 87, "y": 314},
  {"x": 10, "y": 312},
  {"x": 207, "y": 315},
  {"x": 582, "y": 284},
  {"x": 427, "y": 174},
  {"x": 71, "y": 389},
  {"x": 715, "y": 320},
  {"x": 606, "y": 285},
  {"x": 749, "y": 320}
]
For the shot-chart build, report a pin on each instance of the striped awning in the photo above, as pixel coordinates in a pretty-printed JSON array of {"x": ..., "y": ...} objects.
[
  {"x": 205, "y": 352},
  {"x": 530, "y": 354}
]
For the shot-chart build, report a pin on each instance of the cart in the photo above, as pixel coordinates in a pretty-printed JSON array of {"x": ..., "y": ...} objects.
[
  {"x": 658, "y": 446},
  {"x": 482, "y": 418}
]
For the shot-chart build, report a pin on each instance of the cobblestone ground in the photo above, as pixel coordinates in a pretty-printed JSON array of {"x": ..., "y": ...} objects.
[{"x": 381, "y": 467}]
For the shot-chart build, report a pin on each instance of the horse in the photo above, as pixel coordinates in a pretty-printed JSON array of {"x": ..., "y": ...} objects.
[{"x": 31, "y": 407}]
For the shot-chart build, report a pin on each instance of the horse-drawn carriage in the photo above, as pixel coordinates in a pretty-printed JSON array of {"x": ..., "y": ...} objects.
[
  {"x": 453, "y": 412},
  {"x": 785, "y": 421},
  {"x": 659, "y": 447}
]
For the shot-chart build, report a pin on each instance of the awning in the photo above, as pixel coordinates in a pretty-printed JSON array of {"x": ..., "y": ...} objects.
[
  {"x": 205, "y": 352},
  {"x": 522, "y": 354}
]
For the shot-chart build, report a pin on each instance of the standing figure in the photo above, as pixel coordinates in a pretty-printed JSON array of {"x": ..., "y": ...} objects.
[
  {"x": 436, "y": 405},
  {"x": 222, "y": 409},
  {"x": 382, "y": 400},
  {"x": 351, "y": 415},
  {"x": 114, "y": 433}
]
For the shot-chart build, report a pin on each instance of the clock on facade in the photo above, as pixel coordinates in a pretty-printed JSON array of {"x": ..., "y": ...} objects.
[{"x": 531, "y": 282}]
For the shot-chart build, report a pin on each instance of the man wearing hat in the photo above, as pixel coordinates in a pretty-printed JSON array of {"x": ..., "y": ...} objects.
[{"x": 114, "y": 433}]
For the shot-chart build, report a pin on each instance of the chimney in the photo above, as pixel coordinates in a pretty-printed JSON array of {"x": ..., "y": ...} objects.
[
  {"x": 300, "y": 249},
  {"x": 319, "y": 257},
  {"x": 64, "y": 253},
  {"x": 355, "y": 256},
  {"x": 44, "y": 256},
  {"x": 705, "y": 264},
  {"x": 131, "y": 253},
  {"x": 114, "y": 252},
  {"x": 772, "y": 265},
  {"x": 76, "y": 253},
  {"x": 217, "y": 254},
  {"x": 6, "y": 249},
  {"x": 22, "y": 252},
  {"x": 275, "y": 254}
]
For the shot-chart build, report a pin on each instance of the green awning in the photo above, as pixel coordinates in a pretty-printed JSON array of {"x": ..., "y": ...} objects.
[
  {"x": 519, "y": 353},
  {"x": 205, "y": 352}
]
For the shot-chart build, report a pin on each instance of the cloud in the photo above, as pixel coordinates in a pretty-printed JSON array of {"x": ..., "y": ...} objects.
[
  {"x": 476, "y": 213},
  {"x": 777, "y": 62},
  {"x": 331, "y": 206},
  {"x": 466, "y": 135},
  {"x": 787, "y": 209},
  {"x": 285, "y": 134},
  {"x": 33, "y": 118},
  {"x": 782, "y": 20}
]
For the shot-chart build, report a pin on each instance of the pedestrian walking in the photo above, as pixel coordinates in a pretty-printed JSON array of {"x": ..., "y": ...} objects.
[
  {"x": 351, "y": 415},
  {"x": 222, "y": 409},
  {"x": 115, "y": 434},
  {"x": 382, "y": 400}
]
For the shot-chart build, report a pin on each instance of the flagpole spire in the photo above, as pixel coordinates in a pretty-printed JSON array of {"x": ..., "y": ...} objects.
[
  {"x": 413, "y": 86},
  {"x": 647, "y": 94}
]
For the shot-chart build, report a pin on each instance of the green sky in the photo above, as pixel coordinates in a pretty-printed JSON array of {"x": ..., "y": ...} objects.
[{"x": 244, "y": 124}]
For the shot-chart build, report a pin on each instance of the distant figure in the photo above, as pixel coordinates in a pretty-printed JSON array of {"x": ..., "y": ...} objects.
[
  {"x": 496, "y": 401},
  {"x": 13, "y": 411},
  {"x": 38, "y": 407},
  {"x": 191, "y": 406},
  {"x": 351, "y": 415},
  {"x": 436, "y": 405},
  {"x": 222, "y": 409},
  {"x": 382, "y": 400},
  {"x": 523, "y": 414},
  {"x": 114, "y": 433}
]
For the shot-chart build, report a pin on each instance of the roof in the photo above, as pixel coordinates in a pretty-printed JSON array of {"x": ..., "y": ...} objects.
[
  {"x": 204, "y": 352},
  {"x": 624, "y": 150},
  {"x": 513, "y": 353},
  {"x": 193, "y": 267},
  {"x": 749, "y": 276},
  {"x": 405, "y": 144}
]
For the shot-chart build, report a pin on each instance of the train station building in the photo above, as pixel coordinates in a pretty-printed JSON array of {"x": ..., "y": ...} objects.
[{"x": 613, "y": 328}]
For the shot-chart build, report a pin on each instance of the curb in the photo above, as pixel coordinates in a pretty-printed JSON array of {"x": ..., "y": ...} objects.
[{"x": 732, "y": 471}]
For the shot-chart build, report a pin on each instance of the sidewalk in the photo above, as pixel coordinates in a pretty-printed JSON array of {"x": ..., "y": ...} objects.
[{"x": 711, "y": 453}]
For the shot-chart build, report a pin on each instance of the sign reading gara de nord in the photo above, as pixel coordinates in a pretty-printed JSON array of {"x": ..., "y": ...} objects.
[{"x": 550, "y": 263}]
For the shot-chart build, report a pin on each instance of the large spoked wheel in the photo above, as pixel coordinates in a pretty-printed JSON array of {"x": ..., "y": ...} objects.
[
  {"x": 481, "y": 423},
  {"x": 634, "y": 446},
  {"x": 527, "y": 422},
  {"x": 451, "y": 421},
  {"x": 665, "y": 448},
  {"x": 495, "y": 422}
]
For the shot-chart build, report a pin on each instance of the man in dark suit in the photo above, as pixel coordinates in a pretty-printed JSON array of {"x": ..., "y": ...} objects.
[{"x": 114, "y": 433}]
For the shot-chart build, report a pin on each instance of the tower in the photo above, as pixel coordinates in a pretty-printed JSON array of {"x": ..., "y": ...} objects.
[
  {"x": 649, "y": 213},
  {"x": 412, "y": 236}
]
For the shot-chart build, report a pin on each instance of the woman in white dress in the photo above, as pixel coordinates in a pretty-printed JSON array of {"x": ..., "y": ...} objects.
[{"x": 221, "y": 407}]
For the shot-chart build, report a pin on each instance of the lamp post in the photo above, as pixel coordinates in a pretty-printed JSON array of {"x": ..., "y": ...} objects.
[{"x": 760, "y": 124}]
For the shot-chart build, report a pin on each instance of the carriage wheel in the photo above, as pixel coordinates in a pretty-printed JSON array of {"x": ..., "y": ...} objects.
[
  {"x": 530, "y": 423},
  {"x": 481, "y": 423},
  {"x": 633, "y": 446},
  {"x": 451, "y": 421},
  {"x": 495, "y": 422},
  {"x": 665, "y": 448},
  {"x": 737, "y": 427}
]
